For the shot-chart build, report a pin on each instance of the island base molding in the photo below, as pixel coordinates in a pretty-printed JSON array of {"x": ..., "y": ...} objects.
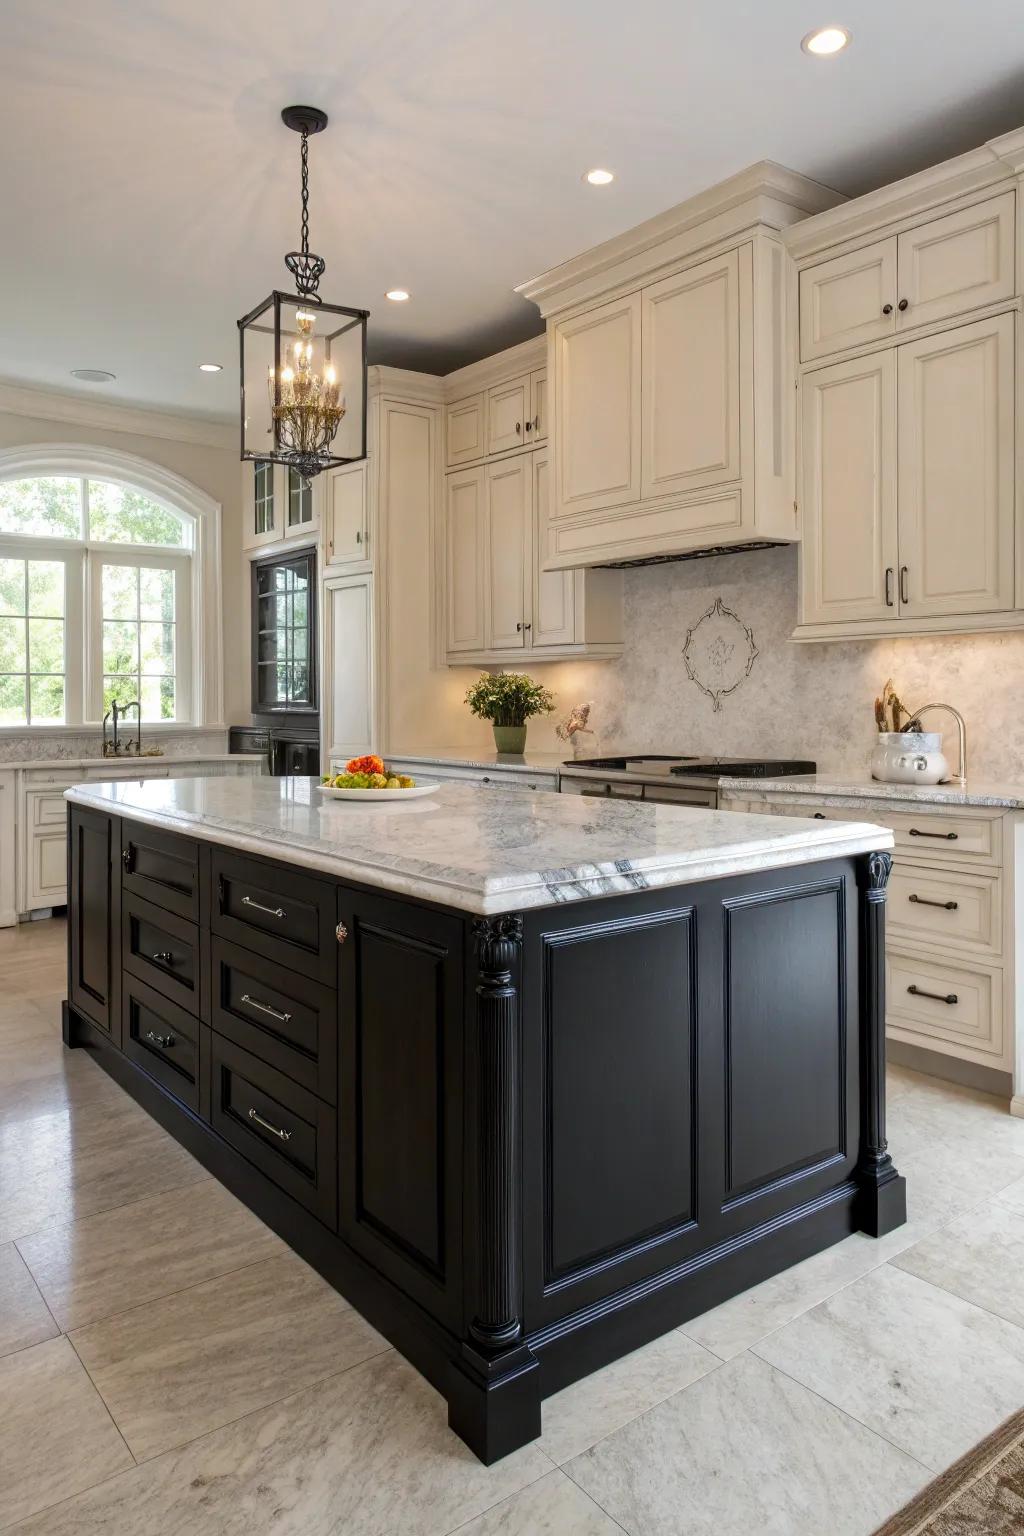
[{"x": 520, "y": 1145}]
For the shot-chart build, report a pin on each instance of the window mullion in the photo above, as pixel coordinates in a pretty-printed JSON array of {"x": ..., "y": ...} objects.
[{"x": 85, "y": 510}]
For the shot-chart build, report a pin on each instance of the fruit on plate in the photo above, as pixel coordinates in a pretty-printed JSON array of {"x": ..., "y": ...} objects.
[
  {"x": 362, "y": 774},
  {"x": 371, "y": 763}
]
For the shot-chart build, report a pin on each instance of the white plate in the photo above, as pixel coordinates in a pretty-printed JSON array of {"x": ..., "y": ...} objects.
[{"x": 371, "y": 796}]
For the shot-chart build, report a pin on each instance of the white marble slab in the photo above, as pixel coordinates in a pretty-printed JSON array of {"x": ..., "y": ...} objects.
[
  {"x": 851, "y": 788},
  {"x": 466, "y": 757},
  {"x": 481, "y": 850}
]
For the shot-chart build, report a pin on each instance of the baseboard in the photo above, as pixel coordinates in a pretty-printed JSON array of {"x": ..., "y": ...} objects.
[
  {"x": 968, "y": 1074},
  {"x": 1017, "y": 1105}
]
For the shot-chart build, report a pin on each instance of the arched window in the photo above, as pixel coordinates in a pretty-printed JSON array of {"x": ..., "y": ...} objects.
[{"x": 101, "y": 575}]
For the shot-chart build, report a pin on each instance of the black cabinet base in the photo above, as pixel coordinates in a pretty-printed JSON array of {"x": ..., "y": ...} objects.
[{"x": 494, "y": 1401}]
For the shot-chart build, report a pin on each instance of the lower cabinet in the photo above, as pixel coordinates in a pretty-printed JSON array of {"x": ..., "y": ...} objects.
[
  {"x": 163, "y": 1040},
  {"x": 93, "y": 863}
]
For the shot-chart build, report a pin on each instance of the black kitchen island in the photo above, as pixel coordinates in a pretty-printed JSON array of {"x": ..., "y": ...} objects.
[{"x": 529, "y": 1078}]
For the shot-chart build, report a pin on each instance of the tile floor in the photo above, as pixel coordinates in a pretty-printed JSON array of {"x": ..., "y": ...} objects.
[{"x": 157, "y": 1376}]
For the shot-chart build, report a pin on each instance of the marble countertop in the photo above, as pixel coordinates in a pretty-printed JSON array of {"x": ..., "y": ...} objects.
[
  {"x": 465, "y": 757},
  {"x": 97, "y": 760},
  {"x": 480, "y": 850},
  {"x": 861, "y": 786}
]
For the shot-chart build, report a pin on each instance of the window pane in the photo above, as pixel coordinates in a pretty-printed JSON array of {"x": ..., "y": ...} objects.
[
  {"x": 120, "y": 592},
  {"x": 46, "y": 589},
  {"x": 12, "y": 701},
  {"x": 120, "y": 516},
  {"x": 12, "y": 586},
  {"x": 47, "y": 697},
  {"x": 123, "y": 689},
  {"x": 50, "y": 507},
  {"x": 12, "y": 645},
  {"x": 46, "y": 645},
  {"x": 156, "y": 646},
  {"x": 156, "y": 595},
  {"x": 120, "y": 647},
  {"x": 167, "y": 701},
  {"x": 157, "y": 698}
]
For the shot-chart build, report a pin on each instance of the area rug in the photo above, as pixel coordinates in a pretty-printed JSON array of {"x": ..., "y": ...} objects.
[{"x": 982, "y": 1494}]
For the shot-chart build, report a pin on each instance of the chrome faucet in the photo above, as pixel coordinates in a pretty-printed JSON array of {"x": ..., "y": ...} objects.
[
  {"x": 115, "y": 713},
  {"x": 960, "y": 777}
]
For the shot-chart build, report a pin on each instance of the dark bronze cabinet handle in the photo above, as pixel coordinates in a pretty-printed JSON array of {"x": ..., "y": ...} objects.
[
  {"x": 926, "y": 901},
  {"x": 128, "y": 859},
  {"x": 163, "y": 1041},
  {"x": 903, "y": 304},
  {"x": 275, "y": 1130},
  {"x": 886, "y": 309},
  {"x": 529, "y": 426},
  {"x": 820, "y": 816},
  {"x": 936, "y": 997},
  {"x": 946, "y": 837},
  {"x": 889, "y": 574},
  {"x": 163, "y": 957},
  {"x": 519, "y": 428},
  {"x": 519, "y": 628},
  {"x": 904, "y": 594},
  {"x": 527, "y": 627}
]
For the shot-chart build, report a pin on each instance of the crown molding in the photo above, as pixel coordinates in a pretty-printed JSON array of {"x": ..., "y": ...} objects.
[
  {"x": 764, "y": 195},
  {"x": 52, "y": 405},
  {"x": 404, "y": 384},
  {"x": 993, "y": 163},
  {"x": 522, "y": 358}
]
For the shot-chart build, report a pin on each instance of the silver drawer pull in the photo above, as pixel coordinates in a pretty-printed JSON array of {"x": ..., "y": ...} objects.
[
  {"x": 254, "y": 1002},
  {"x": 163, "y": 957},
  {"x": 274, "y": 1130},
  {"x": 163, "y": 1041},
  {"x": 247, "y": 901},
  {"x": 926, "y": 901},
  {"x": 937, "y": 997},
  {"x": 946, "y": 837}
]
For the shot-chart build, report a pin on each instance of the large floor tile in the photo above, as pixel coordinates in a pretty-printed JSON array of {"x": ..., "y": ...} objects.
[
  {"x": 208, "y": 1355},
  {"x": 746, "y": 1449},
  {"x": 57, "y": 1437},
  {"x": 1012, "y": 1196},
  {"x": 979, "y": 1256},
  {"x": 553, "y": 1507},
  {"x": 125, "y": 1258},
  {"x": 75, "y": 1162},
  {"x": 584, "y": 1413},
  {"x": 24, "y": 1316},
  {"x": 923, "y": 1367},
  {"x": 366, "y": 1453},
  {"x": 73, "y": 1079}
]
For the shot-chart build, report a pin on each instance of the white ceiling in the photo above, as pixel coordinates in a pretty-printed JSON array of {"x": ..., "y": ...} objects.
[{"x": 148, "y": 189}]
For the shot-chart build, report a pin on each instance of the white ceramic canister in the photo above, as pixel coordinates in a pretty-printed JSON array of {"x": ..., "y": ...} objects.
[{"x": 909, "y": 757}]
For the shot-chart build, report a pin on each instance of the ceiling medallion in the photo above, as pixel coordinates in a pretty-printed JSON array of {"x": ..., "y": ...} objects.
[
  {"x": 719, "y": 652},
  {"x": 303, "y": 360}
]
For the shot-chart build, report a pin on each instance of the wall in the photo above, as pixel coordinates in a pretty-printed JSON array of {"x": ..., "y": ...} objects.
[{"x": 205, "y": 454}]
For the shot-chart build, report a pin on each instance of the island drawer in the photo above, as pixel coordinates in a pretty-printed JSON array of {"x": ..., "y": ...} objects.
[
  {"x": 162, "y": 868},
  {"x": 945, "y": 1006},
  {"x": 283, "y": 1018},
  {"x": 955, "y": 908},
  {"x": 282, "y": 913},
  {"x": 162, "y": 1039},
  {"x": 161, "y": 949},
  {"x": 285, "y": 1131}
]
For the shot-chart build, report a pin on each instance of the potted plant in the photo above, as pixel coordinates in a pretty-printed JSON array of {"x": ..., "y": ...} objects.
[{"x": 508, "y": 700}]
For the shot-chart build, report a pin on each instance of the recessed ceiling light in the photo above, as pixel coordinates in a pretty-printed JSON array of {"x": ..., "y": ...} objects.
[
  {"x": 93, "y": 375},
  {"x": 599, "y": 177},
  {"x": 209, "y": 367},
  {"x": 826, "y": 40},
  {"x": 397, "y": 295}
]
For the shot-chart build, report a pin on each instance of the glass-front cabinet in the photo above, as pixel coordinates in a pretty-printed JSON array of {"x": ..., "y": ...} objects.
[
  {"x": 278, "y": 504},
  {"x": 284, "y": 618}
]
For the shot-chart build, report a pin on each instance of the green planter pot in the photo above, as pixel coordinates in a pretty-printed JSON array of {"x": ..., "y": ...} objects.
[{"x": 509, "y": 738}]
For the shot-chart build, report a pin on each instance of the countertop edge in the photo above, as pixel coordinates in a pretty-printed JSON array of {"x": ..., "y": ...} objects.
[{"x": 822, "y": 787}]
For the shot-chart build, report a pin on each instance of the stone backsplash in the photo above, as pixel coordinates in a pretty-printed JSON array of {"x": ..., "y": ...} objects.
[{"x": 30, "y": 746}]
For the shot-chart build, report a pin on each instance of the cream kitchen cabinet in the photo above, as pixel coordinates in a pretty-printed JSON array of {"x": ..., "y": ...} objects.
[
  {"x": 933, "y": 271},
  {"x": 465, "y": 439},
  {"x": 277, "y": 504},
  {"x": 597, "y": 385},
  {"x": 508, "y": 411},
  {"x": 502, "y": 606},
  {"x": 908, "y": 483},
  {"x": 348, "y": 695},
  {"x": 347, "y": 515},
  {"x": 497, "y": 406}
]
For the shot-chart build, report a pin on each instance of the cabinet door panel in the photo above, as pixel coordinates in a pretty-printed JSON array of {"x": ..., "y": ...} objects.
[
  {"x": 554, "y": 607},
  {"x": 347, "y": 491},
  {"x": 597, "y": 398},
  {"x": 539, "y": 404},
  {"x": 508, "y": 407},
  {"x": 464, "y": 545},
  {"x": 842, "y": 302},
  {"x": 849, "y": 554},
  {"x": 464, "y": 430},
  {"x": 94, "y": 918},
  {"x": 349, "y": 648},
  {"x": 957, "y": 263},
  {"x": 508, "y": 509},
  {"x": 956, "y": 469},
  {"x": 691, "y": 379}
]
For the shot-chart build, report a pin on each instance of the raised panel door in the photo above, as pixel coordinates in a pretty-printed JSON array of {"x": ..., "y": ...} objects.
[
  {"x": 349, "y": 651},
  {"x": 691, "y": 379},
  {"x": 94, "y": 918},
  {"x": 347, "y": 520},
  {"x": 956, "y": 263},
  {"x": 849, "y": 532},
  {"x": 956, "y": 470},
  {"x": 464, "y": 430},
  {"x": 538, "y": 423},
  {"x": 509, "y": 488},
  {"x": 464, "y": 559},
  {"x": 848, "y": 300},
  {"x": 597, "y": 401},
  {"x": 508, "y": 409},
  {"x": 554, "y": 605}
]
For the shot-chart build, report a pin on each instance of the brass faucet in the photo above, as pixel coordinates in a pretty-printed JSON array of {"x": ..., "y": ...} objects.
[
  {"x": 960, "y": 777},
  {"x": 117, "y": 712}
]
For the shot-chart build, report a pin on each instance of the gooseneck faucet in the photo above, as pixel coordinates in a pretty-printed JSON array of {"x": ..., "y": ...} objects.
[
  {"x": 115, "y": 713},
  {"x": 960, "y": 777}
]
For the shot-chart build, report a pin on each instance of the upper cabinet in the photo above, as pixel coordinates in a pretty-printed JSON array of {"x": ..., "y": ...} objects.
[
  {"x": 907, "y": 482},
  {"x": 347, "y": 515},
  {"x": 497, "y": 406},
  {"x": 277, "y": 504},
  {"x": 596, "y": 358},
  {"x": 464, "y": 430}
]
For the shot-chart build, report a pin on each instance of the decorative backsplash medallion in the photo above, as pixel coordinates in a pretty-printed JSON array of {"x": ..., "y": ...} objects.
[{"x": 719, "y": 652}]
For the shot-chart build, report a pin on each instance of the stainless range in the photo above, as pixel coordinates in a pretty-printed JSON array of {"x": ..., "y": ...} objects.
[{"x": 668, "y": 778}]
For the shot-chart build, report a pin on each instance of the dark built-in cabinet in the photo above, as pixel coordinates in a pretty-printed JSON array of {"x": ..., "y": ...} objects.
[
  {"x": 284, "y": 649},
  {"x": 523, "y": 1144}
]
